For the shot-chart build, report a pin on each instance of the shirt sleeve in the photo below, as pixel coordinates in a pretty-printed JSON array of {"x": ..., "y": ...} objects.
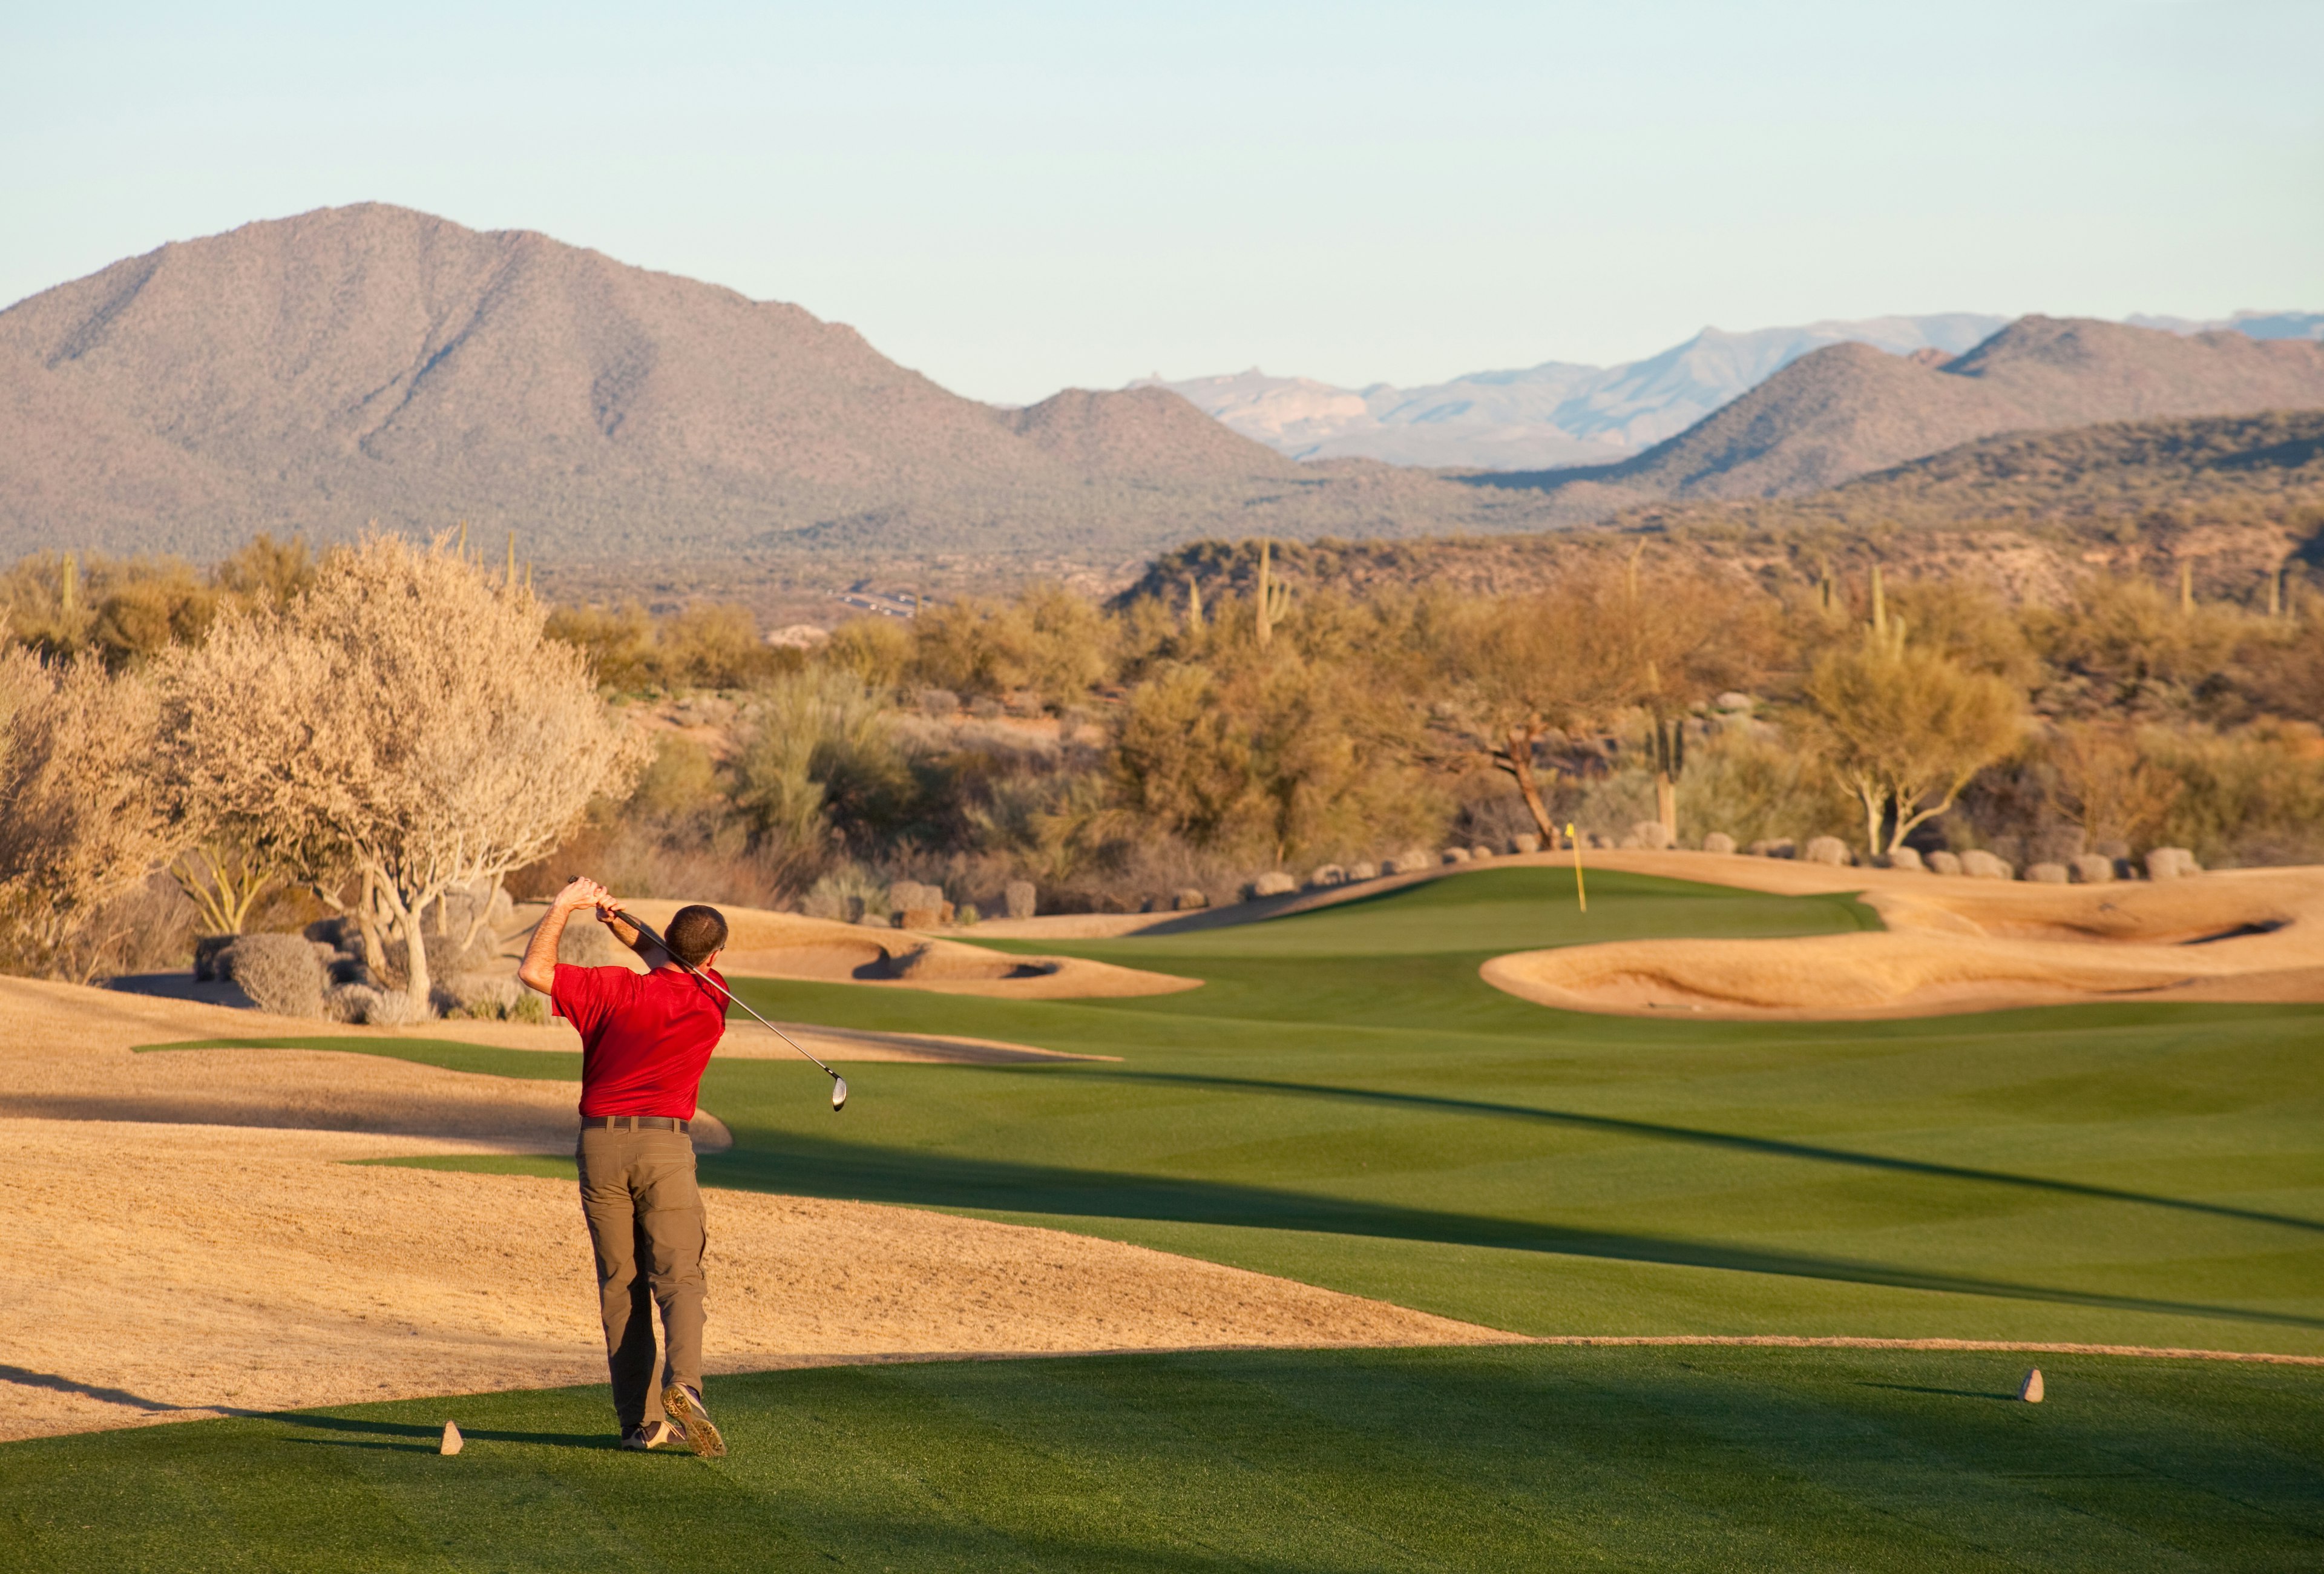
[{"x": 578, "y": 994}]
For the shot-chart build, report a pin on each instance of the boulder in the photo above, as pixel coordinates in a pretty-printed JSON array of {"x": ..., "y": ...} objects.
[
  {"x": 1480, "y": 852},
  {"x": 1718, "y": 842},
  {"x": 1905, "y": 858},
  {"x": 1456, "y": 855},
  {"x": 2030, "y": 1388},
  {"x": 1653, "y": 835},
  {"x": 1524, "y": 842},
  {"x": 1827, "y": 849},
  {"x": 2093, "y": 869},
  {"x": 1942, "y": 862},
  {"x": 1189, "y": 899},
  {"x": 1778, "y": 847},
  {"x": 2046, "y": 874},
  {"x": 931, "y": 917},
  {"x": 1274, "y": 883},
  {"x": 1363, "y": 870},
  {"x": 1020, "y": 897},
  {"x": 1326, "y": 875},
  {"x": 1980, "y": 865},
  {"x": 280, "y": 972},
  {"x": 1734, "y": 701},
  {"x": 2170, "y": 864}
]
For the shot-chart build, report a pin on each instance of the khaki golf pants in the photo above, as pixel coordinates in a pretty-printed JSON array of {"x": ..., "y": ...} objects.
[{"x": 645, "y": 1221}]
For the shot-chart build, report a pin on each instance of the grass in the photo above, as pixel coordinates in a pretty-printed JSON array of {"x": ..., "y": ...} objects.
[
  {"x": 1432, "y": 1459},
  {"x": 1343, "y": 1101}
]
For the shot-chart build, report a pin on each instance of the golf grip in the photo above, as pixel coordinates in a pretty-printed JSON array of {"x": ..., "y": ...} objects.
[{"x": 645, "y": 931}]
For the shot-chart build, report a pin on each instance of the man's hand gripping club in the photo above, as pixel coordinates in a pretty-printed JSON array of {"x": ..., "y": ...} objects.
[{"x": 538, "y": 970}]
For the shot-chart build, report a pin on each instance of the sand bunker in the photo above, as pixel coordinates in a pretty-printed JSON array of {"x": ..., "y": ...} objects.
[
  {"x": 784, "y": 945},
  {"x": 186, "y": 1238},
  {"x": 1952, "y": 945}
]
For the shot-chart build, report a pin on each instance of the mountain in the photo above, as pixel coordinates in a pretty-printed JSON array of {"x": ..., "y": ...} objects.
[
  {"x": 2256, "y": 324},
  {"x": 1848, "y": 410},
  {"x": 371, "y": 363},
  {"x": 1557, "y": 414},
  {"x": 2229, "y": 499},
  {"x": 1564, "y": 413}
]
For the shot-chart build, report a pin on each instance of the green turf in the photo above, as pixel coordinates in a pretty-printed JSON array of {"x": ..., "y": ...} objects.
[
  {"x": 1504, "y": 1459},
  {"x": 1345, "y": 1101}
]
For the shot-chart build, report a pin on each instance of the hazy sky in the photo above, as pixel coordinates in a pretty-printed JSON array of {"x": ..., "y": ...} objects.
[{"x": 1016, "y": 198}]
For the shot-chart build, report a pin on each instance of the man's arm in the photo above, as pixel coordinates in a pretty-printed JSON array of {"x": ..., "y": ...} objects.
[{"x": 539, "y": 969}]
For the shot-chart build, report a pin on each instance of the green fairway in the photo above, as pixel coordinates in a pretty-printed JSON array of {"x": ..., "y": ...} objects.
[
  {"x": 1344, "y": 1101},
  {"x": 1498, "y": 1458}
]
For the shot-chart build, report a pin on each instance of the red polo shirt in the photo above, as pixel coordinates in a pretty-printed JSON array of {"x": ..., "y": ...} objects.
[{"x": 645, "y": 1038}]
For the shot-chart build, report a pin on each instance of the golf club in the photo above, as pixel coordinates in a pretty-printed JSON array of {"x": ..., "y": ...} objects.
[{"x": 645, "y": 931}]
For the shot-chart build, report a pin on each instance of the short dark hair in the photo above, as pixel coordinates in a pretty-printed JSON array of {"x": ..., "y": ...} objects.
[{"x": 695, "y": 932}]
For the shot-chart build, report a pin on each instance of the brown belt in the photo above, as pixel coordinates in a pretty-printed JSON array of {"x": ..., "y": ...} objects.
[{"x": 634, "y": 1123}]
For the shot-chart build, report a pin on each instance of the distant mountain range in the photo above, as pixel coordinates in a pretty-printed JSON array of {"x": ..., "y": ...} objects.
[
  {"x": 1850, "y": 410},
  {"x": 365, "y": 364},
  {"x": 1564, "y": 413}
]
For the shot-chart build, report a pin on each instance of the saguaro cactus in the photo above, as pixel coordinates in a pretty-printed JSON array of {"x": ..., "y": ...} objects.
[{"x": 1274, "y": 598}]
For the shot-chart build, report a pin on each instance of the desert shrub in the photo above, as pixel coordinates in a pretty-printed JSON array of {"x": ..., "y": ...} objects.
[
  {"x": 617, "y": 644},
  {"x": 873, "y": 650},
  {"x": 847, "y": 894},
  {"x": 2127, "y": 646},
  {"x": 820, "y": 761},
  {"x": 80, "y": 820},
  {"x": 1745, "y": 779},
  {"x": 2254, "y": 796},
  {"x": 281, "y": 973}
]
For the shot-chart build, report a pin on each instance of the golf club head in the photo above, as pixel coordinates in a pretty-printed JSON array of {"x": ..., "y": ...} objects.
[{"x": 838, "y": 1094}]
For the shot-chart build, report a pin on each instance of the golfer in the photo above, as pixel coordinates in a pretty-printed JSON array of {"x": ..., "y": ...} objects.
[{"x": 644, "y": 1042}]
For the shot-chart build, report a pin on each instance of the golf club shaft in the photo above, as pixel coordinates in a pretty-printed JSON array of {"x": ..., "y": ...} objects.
[{"x": 645, "y": 931}]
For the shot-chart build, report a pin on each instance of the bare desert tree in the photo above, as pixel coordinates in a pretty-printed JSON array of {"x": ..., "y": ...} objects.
[
  {"x": 80, "y": 823},
  {"x": 1904, "y": 729},
  {"x": 404, "y": 722}
]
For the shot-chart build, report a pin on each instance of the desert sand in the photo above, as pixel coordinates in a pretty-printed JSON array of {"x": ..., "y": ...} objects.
[
  {"x": 189, "y": 1235},
  {"x": 1952, "y": 944},
  {"x": 784, "y": 945}
]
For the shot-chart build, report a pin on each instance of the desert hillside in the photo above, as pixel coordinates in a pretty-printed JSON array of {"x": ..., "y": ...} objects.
[
  {"x": 1850, "y": 410},
  {"x": 315, "y": 373}
]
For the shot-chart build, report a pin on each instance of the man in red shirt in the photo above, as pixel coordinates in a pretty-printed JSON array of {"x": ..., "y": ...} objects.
[{"x": 644, "y": 1042}]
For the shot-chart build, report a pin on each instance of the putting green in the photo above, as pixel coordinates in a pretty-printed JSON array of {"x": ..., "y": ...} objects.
[{"x": 1509, "y": 1458}]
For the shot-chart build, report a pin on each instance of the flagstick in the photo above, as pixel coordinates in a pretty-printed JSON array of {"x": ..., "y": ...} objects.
[{"x": 1580, "y": 893}]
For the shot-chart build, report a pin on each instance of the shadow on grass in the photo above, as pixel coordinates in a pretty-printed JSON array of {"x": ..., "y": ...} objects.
[
  {"x": 1773, "y": 1147},
  {"x": 425, "y": 1439},
  {"x": 1943, "y": 1392},
  {"x": 792, "y": 1164}
]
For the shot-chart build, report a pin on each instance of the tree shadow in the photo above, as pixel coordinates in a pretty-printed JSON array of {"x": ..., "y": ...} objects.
[
  {"x": 1773, "y": 1147},
  {"x": 798, "y": 1164}
]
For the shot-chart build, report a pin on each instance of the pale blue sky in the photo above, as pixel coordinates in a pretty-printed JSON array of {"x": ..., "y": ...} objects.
[{"x": 1014, "y": 199}]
